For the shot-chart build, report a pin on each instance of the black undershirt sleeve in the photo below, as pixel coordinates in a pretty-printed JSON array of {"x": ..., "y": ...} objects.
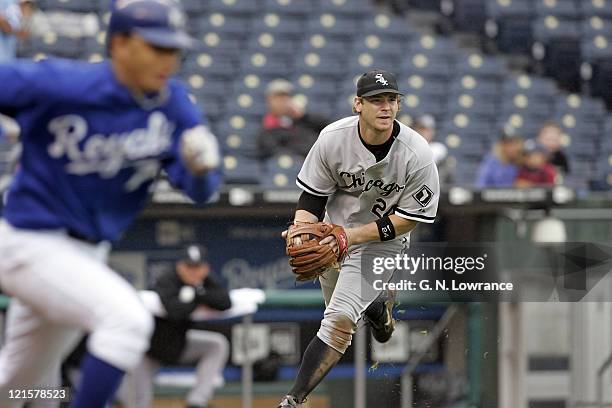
[{"x": 313, "y": 204}]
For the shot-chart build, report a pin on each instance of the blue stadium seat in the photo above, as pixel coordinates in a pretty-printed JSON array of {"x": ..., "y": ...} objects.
[
  {"x": 269, "y": 64},
  {"x": 597, "y": 48},
  {"x": 435, "y": 47},
  {"x": 241, "y": 170},
  {"x": 314, "y": 86},
  {"x": 522, "y": 104},
  {"x": 481, "y": 66},
  {"x": 484, "y": 89},
  {"x": 431, "y": 5},
  {"x": 220, "y": 43},
  {"x": 324, "y": 44},
  {"x": 595, "y": 25},
  {"x": 348, "y": 8},
  {"x": 462, "y": 125},
  {"x": 343, "y": 105},
  {"x": 251, "y": 83},
  {"x": 296, "y": 8},
  {"x": 509, "y": 22},
  {"x": 429, "y": 64},
  {"x": 424, "y": 84},
  {"x": 221, "y": 23},
  {"x": 601, "y": 8},
  {"x": 286, "y": 26},
  {"x": 591, "y": 109},
  {"x": 238, "y": 134},
  {"x": 560, "y": 8},
  {"x": 523, "y": 124},
  {"x": 200, "y": 86},
  {"x": 416, "y": 105},
  {"x": 320, "y": 64},
  {"x": 268, "y": 42},
  {"x": 280, "y": 171},
  {"x": 59, "y": 46},
  {"x": 366, "y": 61},
  {"x": 467, "y": 15},
  {"x": 377, "y": 45},
  {"x": 195, "y": 7},
  {"x": 388, "y": 26},
  {"x": 532, "y": 86},
  {"x": 463, "y": 146},
  {"x": 557, "y": 45},
  {"x": 248, "y": 105},
  {"x": 207, "y": 65},
  {"x": 332, "y": 25},
  {"x": 471, "y": 105},
  {"x": 233, "y": 7}
]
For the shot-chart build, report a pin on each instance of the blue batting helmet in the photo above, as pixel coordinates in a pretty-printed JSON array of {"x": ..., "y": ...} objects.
[{"x": 158, "y": 22}]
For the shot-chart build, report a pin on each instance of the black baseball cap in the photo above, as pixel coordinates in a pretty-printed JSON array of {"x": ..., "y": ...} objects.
[
  {"x": 193, "y": 255},
  {"x": 376, "y": 82}
]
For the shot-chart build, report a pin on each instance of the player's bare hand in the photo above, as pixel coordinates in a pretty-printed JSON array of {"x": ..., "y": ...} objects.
[
  {"x": 200, "y": 150},
  {"x": 331, "y": 241}
]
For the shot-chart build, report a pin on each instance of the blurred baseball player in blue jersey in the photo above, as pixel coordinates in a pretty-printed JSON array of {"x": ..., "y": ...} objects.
[{"x": 94, "y": 138}]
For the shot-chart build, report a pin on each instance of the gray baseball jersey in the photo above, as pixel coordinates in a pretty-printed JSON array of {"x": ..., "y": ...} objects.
[{"x": 361, "y": 190}]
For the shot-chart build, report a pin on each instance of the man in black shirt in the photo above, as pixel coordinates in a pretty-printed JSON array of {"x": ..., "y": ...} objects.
[{"x": 181, "y": 291}]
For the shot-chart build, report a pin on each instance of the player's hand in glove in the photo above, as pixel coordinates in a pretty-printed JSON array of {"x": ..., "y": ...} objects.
[
  {"x": 315, "y": 247},
  {"x": 200, "y": 150}
]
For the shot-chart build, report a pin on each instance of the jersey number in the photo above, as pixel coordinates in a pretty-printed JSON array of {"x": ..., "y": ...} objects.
[{"x": 379, "y": 207}]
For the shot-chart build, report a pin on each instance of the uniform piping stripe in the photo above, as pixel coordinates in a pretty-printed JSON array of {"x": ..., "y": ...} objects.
[
  {"x": 310, "y": 189},
  {"x": 419, "y": 216}
]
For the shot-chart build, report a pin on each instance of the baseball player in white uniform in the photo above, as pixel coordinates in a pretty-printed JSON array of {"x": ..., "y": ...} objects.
[{"x": 377, "y": 178}]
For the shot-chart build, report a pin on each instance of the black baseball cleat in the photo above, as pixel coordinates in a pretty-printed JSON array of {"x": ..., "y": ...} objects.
[
  {"x": 289, "y": 402},
  {"x": 383, "y": 327}
]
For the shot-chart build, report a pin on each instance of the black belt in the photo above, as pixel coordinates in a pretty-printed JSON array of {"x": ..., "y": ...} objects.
[{"x": 81, "y": 237}]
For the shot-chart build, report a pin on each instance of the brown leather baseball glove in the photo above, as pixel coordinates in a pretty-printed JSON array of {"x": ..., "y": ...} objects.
[{"x": 309, "y": 259}]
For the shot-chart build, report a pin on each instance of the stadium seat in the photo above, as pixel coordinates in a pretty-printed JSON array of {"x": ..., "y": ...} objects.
[
  {"x": 200, "y": 86},
  {"x": 467, "y": 15},
  {"x": 248, "y": 105},
  {"x": 416, "y": 105},
  {"x": 195, "y": 7},
  {"x": 597, "y": 48},
  {"x": 241, "y": 170},
  {"x": 378, "y": 45},
  {"x": 207, "y": 65},
  {"x": 592, "y": 110},
  {"x": 324, "y": 44},
  {"x": 295, "y": 8},
  {"x": 278, "y": 24},
  {"x": 559, "y": 8},
  {"x": 366, "y": 61},
  {"x": 268, "y": 42},
  {"x": 219, "y": 43},
  {"x": 270, "y": 64},
  {"x": 509, "y": 23},
  {"x": 347, "y": 8},
  {"x": 557, "y": 45},
  {"x": 388, "y": 26},
  {"x": 432, "y": 65},
  {"x": 480, "y": 66},
  {"x": 594, "y": 26},
  {"x": 281, "y": 170},
  {"x": 423, "y": 84},
  {"x": 471, "y": 105},
  {"x": 431, "y": 5},
  {"x": 523, "y": 124},
  {"x": 59, "y": 46},
  {"x": 463, "y": 146},
  {"x": 601, "y": 8},
  {"x": 434, "y": 47},
  {"x": 238, "y": 134},
  {"x": 464, "y": 125},
  {"x": 220, "y": 23},
  {"x": 528, "y": 107},
  {"x": 320, "y": 64},
  {"x": 532, "y": 86},
  {"x": 483, "y": 89},
  {"x": 234, "y": 7},
  {"x": 332, "y": 25}
]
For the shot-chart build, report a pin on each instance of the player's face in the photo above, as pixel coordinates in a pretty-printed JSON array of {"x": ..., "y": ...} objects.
[
  {"x": 192, "y": 274},
  {"x": 378, "y": 111},
  {"x": 145, "y": 67}
]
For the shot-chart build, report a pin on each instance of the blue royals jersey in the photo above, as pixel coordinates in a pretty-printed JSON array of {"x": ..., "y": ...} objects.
[{"x": 90, "y": 150}]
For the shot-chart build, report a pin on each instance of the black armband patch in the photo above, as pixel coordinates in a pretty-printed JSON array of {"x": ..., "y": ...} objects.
[{"x": 386, "y": 230}]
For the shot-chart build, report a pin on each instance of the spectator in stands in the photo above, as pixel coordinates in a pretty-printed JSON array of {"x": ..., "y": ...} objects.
[
  {"x": 286, "y": 127},
  {"x": 549, "y": 137},
  {"x": 425, "y": 125},
  {"x": 10, "y": 20},
  {"x": 535, "y": 170},
  {"x": 500, "y": 167},
  {"x": 181, "y": 291}
]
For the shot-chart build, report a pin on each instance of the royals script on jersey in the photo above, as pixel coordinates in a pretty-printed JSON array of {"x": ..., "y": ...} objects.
[{"x": 361, "y": 190}]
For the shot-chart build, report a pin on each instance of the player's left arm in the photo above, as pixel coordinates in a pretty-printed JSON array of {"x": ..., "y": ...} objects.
[
  {"x": 196, "y": 155},
  {"x": 371, "y": 233}
]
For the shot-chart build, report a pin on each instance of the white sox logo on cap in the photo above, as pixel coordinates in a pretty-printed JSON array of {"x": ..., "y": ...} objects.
[{"x": 380, "y": 78}]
